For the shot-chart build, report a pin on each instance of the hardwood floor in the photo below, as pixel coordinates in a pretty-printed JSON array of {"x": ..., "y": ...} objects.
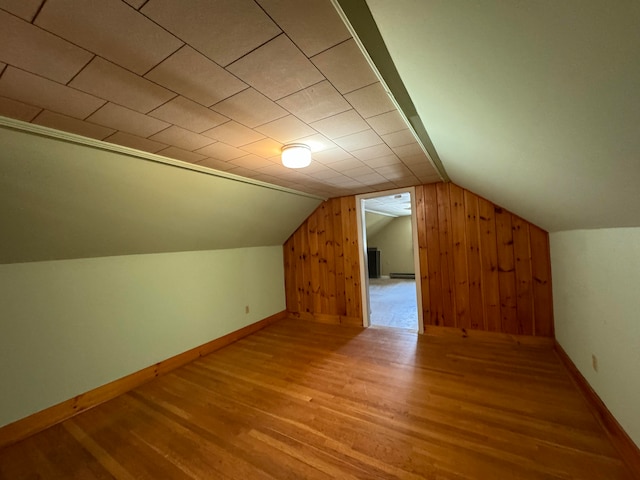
[{"x": 303, "y": 400}]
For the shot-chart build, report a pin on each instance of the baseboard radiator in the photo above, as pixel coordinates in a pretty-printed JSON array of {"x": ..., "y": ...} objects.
[{"x": 403, "y": 275}]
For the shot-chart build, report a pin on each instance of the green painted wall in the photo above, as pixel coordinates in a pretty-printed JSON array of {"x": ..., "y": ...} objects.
[
  {"x": 395, "y": 243},
  {"x": 69, "y": 326},
  {"x": 596, "y": 274}
]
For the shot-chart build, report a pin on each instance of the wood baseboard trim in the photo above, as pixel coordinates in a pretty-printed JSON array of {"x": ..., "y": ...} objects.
[
  {"x": 327, "y": 318},
  {"x": 490, "y": 337},
  {"x": 25, "y": 427},
  {"x": 628, "y": 450}
]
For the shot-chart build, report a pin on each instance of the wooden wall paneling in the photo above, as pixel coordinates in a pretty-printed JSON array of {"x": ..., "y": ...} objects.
[
  {"x": 436, "y": 307},
  {"x": 474, "y": 265},
  {"x": 524, "y": 294},
  {"x": 541, "y": 271},
  {"x": 421, "y": 224},
  {"x": 506, "y": 272},
  {"x": 331, "y": 286},
  {"x": 322, "y": 259},
  {"x": 459, "y": 256},
  {"x": 299, "y": 273},
  {"x": 349, "y": 274},
  {"x": 312, "y": 230},
  {"x": 338, "y": 247},
  {"x": 446, "y": 256},
  {"x": 354, "y": 259},
  {"x": 307, "y": 300},
  {"x": 482, "y": 268},
  {"x": 489, "y": 265}
]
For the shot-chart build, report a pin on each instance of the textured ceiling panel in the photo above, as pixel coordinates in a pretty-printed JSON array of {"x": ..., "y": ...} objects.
[{"x": 222, "y": 84}]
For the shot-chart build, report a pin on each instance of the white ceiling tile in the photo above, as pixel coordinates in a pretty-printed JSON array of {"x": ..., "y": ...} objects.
[
  {"x": 331, "y": 155},
  {"x": 111, "y": 29},
  {"x": 356, "y": 172},
  {"x": 317, "y": 143},
  {"x": 315, "y": 102},
  {"x": 314, "y": 25},
  {"x": 222, "y": 151},
  {"x": 25, "y": 9},
  {"x": 275, "y": 169},
  {"x": 18, "y": 110},
  {"x": 212, "y": 27},
  {"x": 182, "y": 138},
  {"x": 286, "y": 129},
  {"x": 188, "y": 114},
  {"x": 72, "y": 125},
  {"x": 217, "y": 164},
  {"x": 111, "y": 82},
  {"x": 234, "y": 134},
  {"x": 127, "y": 120},
  {"x": 180, "y": 154},
  {"x": 399, "y": 138},
  {"x": 345, "y": 67},
  {"x": 358, "y": 141},
  {"x": 423, "y": 170},
  {"x": 250, "y": 108},
  {"x": 341, "y": 125},
  {"x": 265, "y": 148},
  {"x": 346, "y": 164},
  {"x": 251, "y": 162},
  {"x": 408, "y": 150},
  {"x": 193, "y": 75},
  {"x": 370, "y": 101},
  {"x": 276, "y": 69},
  {"x": 39, "y": 91},
  {"x": 325, "y": 174},
  {"x": 37, "y": 51},
  {"x": 396, "y": 171},
  {"x": 383, "y": 161},
  {"x": 136, "y": 3},
  {"x": 372, "y": 179},
  {"x": 387, "y": 122},
  {"x": 376, "y": 151},
  {"x": 417, "y": 159},
  {"x": 133, "y": 141}
]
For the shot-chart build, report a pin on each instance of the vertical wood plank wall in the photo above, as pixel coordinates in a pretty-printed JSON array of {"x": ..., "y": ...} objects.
[
  {"x": 322, "y": 267},
  {"x": 482, "y": 267}
]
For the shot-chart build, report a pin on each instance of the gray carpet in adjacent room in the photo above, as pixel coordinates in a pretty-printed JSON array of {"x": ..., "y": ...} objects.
[{"x": 393, "y": 303}]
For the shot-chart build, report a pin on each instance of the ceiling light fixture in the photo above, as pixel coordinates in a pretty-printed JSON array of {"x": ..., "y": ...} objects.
[{"x": 296, "y": 155}]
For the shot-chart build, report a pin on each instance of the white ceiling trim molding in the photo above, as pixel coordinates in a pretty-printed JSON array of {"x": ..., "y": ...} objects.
[{"x": 111, "y": 147}]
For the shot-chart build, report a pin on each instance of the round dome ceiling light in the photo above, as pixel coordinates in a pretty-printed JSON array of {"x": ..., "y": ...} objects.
[{"x": 296, "y": 155}]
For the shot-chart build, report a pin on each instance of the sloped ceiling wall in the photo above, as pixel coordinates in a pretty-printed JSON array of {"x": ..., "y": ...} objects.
[
  {"x": 60, "y": 199},
  {"x": 533, "y": 105}
]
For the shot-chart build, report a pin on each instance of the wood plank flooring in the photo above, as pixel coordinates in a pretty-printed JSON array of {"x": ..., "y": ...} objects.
[{"x": 303, "y": 400}]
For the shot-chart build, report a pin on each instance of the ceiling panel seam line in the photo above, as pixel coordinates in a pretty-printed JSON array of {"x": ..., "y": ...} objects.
[
  {"x": 253, "y": 50},
  {"x": 35, "y": 16}
]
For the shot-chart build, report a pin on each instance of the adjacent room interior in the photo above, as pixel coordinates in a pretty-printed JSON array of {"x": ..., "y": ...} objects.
[
  {"x": 390, "y": 277},
  {"x": 189, "y": 278}
]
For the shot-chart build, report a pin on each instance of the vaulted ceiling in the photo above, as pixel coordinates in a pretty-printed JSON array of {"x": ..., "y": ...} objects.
[
  {"x": 534, "y": 105},
  {"x": 220, "y": 84}
]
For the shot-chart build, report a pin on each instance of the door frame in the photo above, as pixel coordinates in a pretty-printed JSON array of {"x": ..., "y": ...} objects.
[{"x": 362, "y": 251}]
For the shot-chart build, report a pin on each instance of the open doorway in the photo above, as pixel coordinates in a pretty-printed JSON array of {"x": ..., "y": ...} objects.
[{"x": 389, "y": 258}]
